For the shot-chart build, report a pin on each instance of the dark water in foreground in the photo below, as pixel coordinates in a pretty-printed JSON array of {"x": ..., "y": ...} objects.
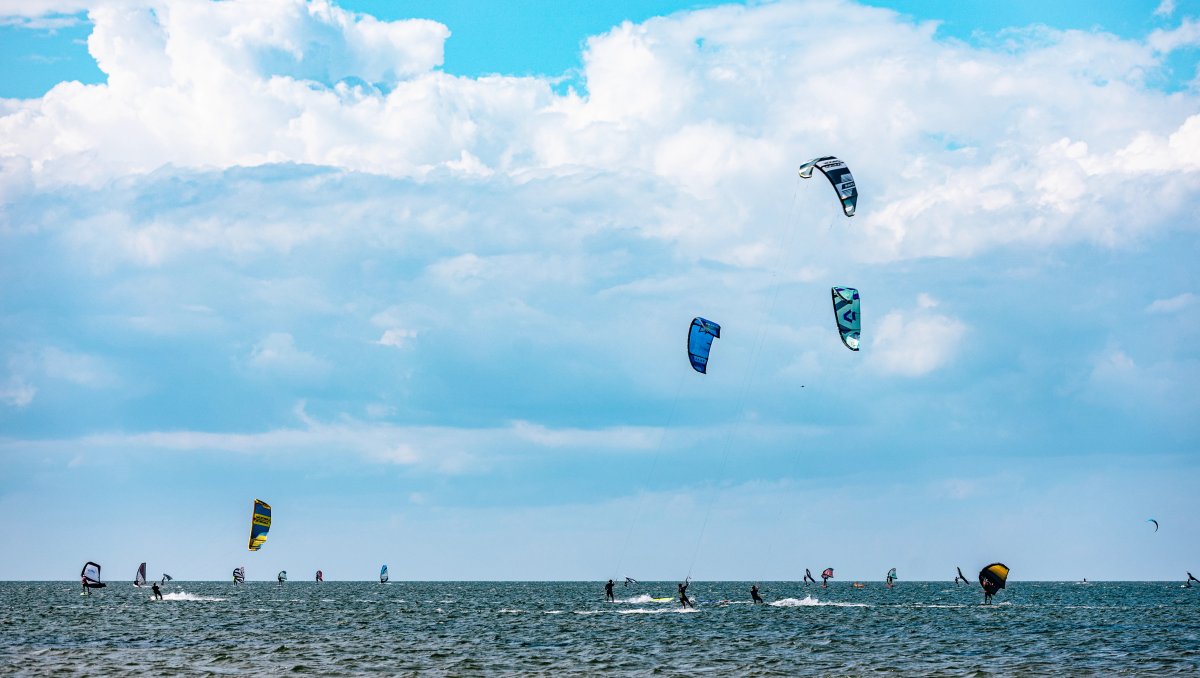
[{"x": 471, "y": 628}]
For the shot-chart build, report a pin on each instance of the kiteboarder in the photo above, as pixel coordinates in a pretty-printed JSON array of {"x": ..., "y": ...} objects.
[
  {"x": 608, "y": 592},
  {"x": 683, "y": 598},
  {"x": 157, "y": 591},
  {"x": 754, "y": 594}
]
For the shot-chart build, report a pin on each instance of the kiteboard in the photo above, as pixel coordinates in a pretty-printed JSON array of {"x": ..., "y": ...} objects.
[{"x": 662, "y": 600}]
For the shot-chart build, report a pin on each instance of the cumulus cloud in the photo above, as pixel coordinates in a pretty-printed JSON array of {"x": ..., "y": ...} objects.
[
  {"x": 705, "y": 102},
  {"x": 915, "y": 343}
]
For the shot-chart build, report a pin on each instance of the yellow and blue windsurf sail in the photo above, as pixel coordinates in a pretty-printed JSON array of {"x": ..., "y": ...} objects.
[
  {"x": 846, "y": 312},
  {"x": 700, "y": 339},
  {"x": 260, "y": 524}
]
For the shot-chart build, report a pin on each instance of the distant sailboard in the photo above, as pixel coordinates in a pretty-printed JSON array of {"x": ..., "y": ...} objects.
[
  {"x": 320, "y": 576},
  {"x": 91, "y": 576},
  {"x": 239, "y": 575},
  {"x": 139, "y": 579},
  {"x": 383, "y": 575}
]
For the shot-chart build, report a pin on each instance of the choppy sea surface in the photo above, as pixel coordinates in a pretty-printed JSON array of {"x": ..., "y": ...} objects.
[{"x": 490, "y": 628}]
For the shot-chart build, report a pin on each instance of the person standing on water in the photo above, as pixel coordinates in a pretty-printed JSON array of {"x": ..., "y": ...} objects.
[
  {"x": 157, "y": 591},
  {"x": 608, "y": 592},
  {"x": 683, "y": 599},
  {"x": 754, "y": 594}
]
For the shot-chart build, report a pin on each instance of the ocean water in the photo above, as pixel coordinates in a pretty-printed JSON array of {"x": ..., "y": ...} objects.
[{"x": 565, "y": 628}]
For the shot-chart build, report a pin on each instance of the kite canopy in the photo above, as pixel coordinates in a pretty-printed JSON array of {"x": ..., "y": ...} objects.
[
  {"x": 992, "y": 577},
  {"x": 260, "y": 524},
  {"x": 700, "y": 339},
  {"x": 828, "y": 573},
  {"x": 239, "y": 575},
  {"x": 91, "y": 576},
  {"x": 846, "y": 313},
  {"x": 1151, "y": 520},
  {"x": 839, "y": 175}
]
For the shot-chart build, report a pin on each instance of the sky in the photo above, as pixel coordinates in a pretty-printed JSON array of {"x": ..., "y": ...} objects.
[{"x": 422, "y": 282}]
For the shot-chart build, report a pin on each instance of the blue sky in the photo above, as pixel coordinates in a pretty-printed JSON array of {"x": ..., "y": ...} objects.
[{"x": 422, "y": 282}]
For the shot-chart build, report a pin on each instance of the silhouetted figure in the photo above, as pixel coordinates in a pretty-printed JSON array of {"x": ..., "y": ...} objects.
[
  {"x": 608, "y": 592},
  {"x": 683, "y": 598},
  {"x": 157, "y": 591},
  {"x": 754, "y": 594}
]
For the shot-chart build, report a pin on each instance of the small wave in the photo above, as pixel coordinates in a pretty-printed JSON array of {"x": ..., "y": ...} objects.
[
  {"x": 809, "y": 601},
  {"x": 508, "y": 611},
  {"x": 643, "y": 599},
  {"x": 553, "y": 611},
  {"x": 659, "y": 610},
  {"x": 184, "y": 595}
]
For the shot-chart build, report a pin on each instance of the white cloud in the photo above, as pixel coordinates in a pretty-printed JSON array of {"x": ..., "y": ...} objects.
[
  {"x": 15, "y": 392},
  {"x": 277, "y": 352},
  {"x": 433, "y": 448},
  {"x": 707, "y": 103},
  {"x": 915, "y": 343},
  {"x": 396, "y": 337},
  {"x": 1173, "y": 304},
  {"x": 1186, "y": 34},
  {"x": 1165, "y": 8}
]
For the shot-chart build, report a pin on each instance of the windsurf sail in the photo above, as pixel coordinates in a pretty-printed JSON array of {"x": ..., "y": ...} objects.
[
  {"x": 1191, "y": 578},
  {"x": 139, "y": 579},
  {"x": 993, "y": 577},
  {"x": 260, "y": 524},
  {"x": 383, "y": 575},
  {"x": 827, "y": 575},
  {"x": 891, "y": 576},
  {"x": 961, "y": 577},
  {"x": 165, "y": 578},
  {"x": 839, "y": 176},
  {"x": 808, "y": 576},
  {"x": 630, "y": 580},
  {"x": 91, "y": 576},
  {"x": 846, "y": 313},
  {"x": 1151, "y": 520},
  {"x": 700, "y": 338},
  {"x": 320, "y": 576},
  {"x": 281, "y": 577},
  {"x": 239, "y": 575}
]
